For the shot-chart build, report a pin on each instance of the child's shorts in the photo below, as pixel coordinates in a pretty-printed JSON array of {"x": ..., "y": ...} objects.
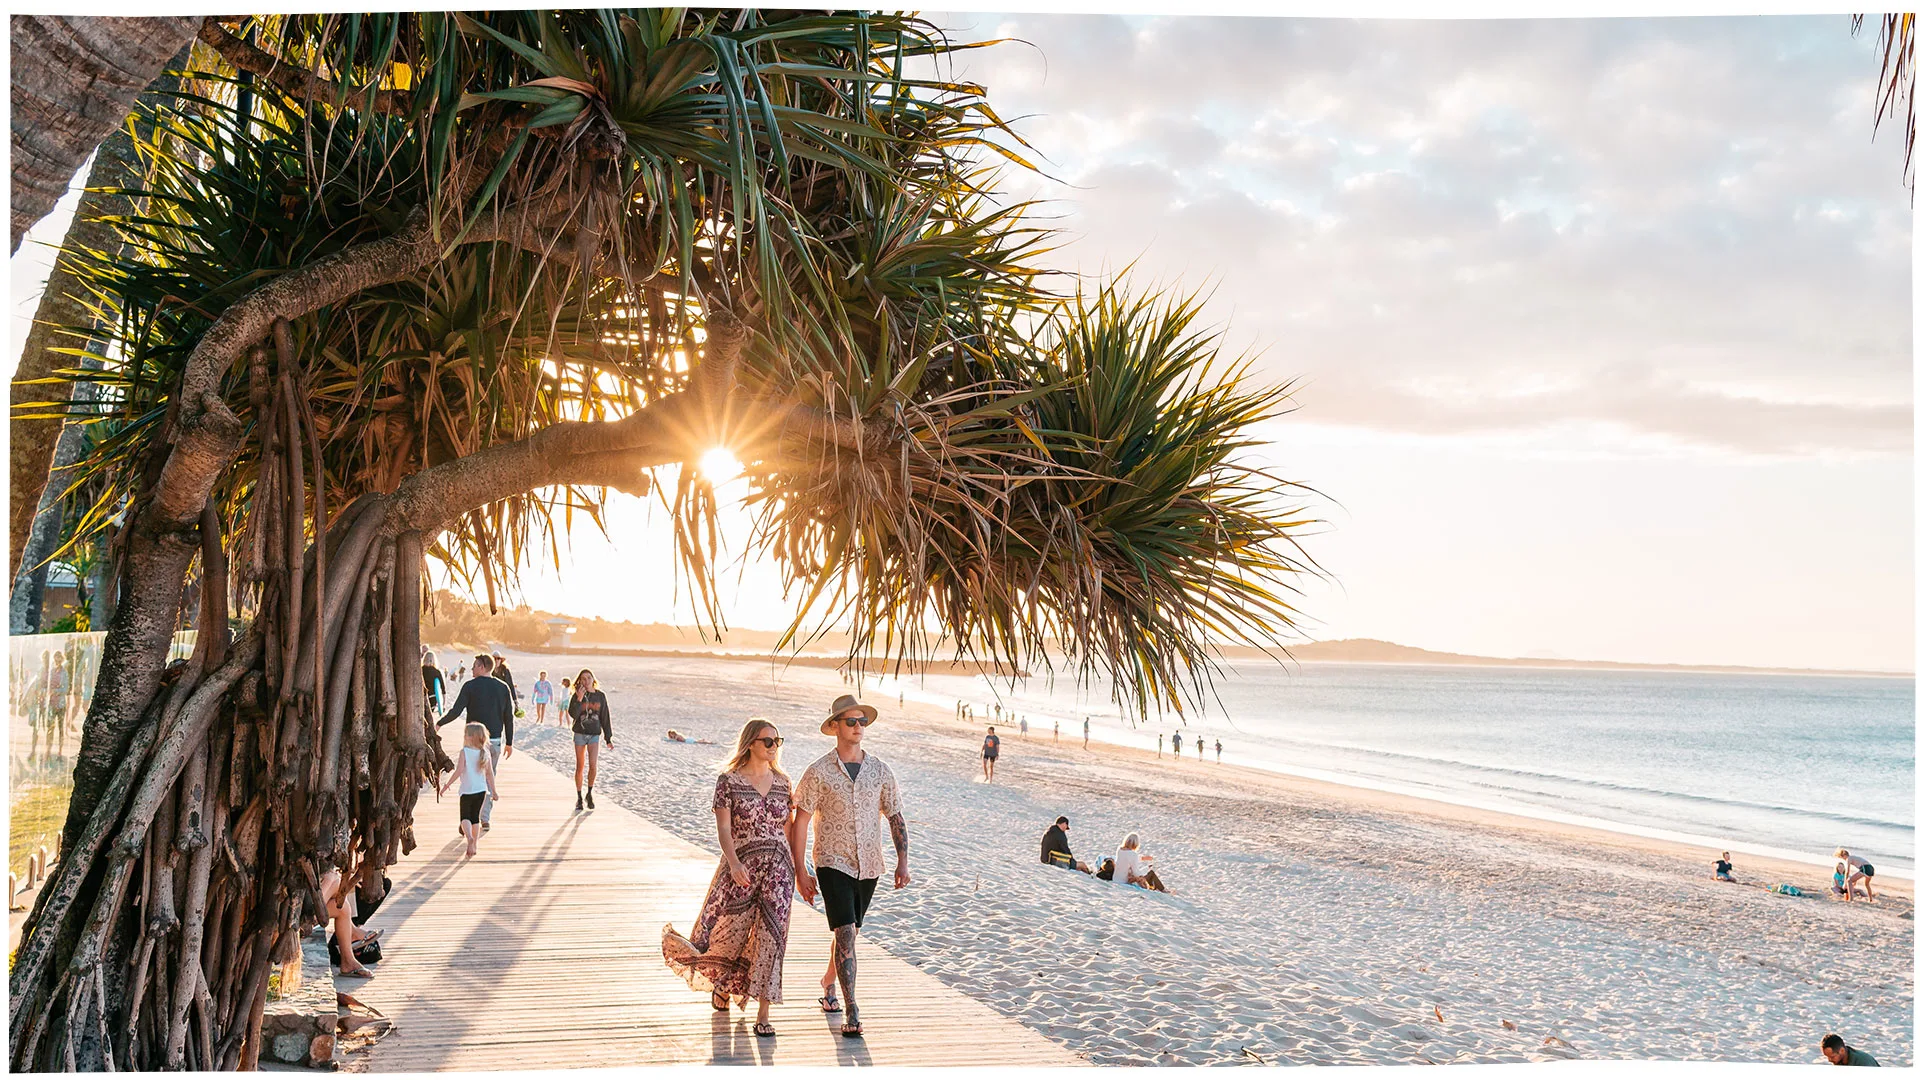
[{"x": 470, "y": 807}]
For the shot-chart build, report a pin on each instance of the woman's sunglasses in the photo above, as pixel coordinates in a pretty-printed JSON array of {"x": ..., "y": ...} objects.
[{"x": 769, "y": 741}]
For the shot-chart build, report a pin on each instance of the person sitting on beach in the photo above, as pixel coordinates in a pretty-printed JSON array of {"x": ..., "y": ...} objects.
[
  {"x": 1835, "y": 1049},
  {"x": 1858, "y": 873},
  {"x": 1054, "y": 850},
  {"x": 1130, "y": 866},
  {"x": 1105, "y": 873},
  {"x": 1723, "y": 867}
]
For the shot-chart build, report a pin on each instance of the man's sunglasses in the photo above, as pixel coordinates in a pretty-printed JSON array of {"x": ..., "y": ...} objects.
[
  {"x": 855, "y": 718},
  {"x": 769, "y": 741}
]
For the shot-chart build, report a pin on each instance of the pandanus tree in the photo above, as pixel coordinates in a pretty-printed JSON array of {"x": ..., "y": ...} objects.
[{"x": 419, "y": 286}]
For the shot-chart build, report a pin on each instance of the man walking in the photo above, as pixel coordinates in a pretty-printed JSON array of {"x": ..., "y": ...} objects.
[
  {"x": 1086, "y": 733},
  {"x": 488, "y": 701},
  {"x": 850, "y": 792},
  {"x": 500, "y": 672},
  {"x": 990, "y": 752}
]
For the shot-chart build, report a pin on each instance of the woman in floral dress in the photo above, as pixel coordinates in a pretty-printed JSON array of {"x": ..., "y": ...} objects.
[{"x": 740, "y": 939}]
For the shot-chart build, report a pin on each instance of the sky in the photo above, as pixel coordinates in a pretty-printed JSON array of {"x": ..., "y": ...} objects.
[{"x": 1602, "y": 330}]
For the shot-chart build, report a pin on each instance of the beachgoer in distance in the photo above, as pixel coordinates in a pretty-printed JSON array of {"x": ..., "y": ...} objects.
[
  {"x": 474, "y": 770},
  {"x": 990, "y": 752},
  {"x": 565, "y": 706},
  {"x": 1161, "y": 750},
  {"x": 739, "y": 942},
  {"x": 1176, "y": 744},
  {"x": 1835, "y": 1049},
  {"x": 488, "y": 701},
  {"x": 592, "y": 722},
  {"x": 1858, "y": 871},
  {"x": 500, "y": 672},
  {"x": 1056, "y": 731},
  {"x": 542, "y": 697},
  {"x": 1216, "y": 748},
  {"x": 1130, "y": 866},
  {"x": 436, "y": 683},
  {"x": 1054, "y": 850},
  {"x": 1086, "y": 733},
  {"x": 1723, "y": 867},
  {"x": 849, "y": 791}
]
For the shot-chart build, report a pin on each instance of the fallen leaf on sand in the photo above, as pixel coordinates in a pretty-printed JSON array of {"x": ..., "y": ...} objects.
[
  {"x": 1437, "y": 1016},
  {"x": 1509, "y": 1025},
  {"x": 1555, "y": 1040}
]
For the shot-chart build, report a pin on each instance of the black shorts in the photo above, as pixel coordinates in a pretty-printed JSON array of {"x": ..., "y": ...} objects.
[
  {"x": 845, "y": 897},
  {"x": 990, "y": 757},
  {"x": 470, "y": 806}
]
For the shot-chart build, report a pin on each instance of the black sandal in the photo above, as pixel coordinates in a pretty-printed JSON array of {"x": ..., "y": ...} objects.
[
  {"x": 763, "y": 1029},
  {"x": 851, "y": 1030},
  {"x": 720, "y": 1002},
  {"x": 829, "y": 1003}
]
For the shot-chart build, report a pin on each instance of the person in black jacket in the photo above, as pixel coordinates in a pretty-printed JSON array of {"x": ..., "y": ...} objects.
[
  {"x": 1054, "y": 850},
  {"x": 500, "y": 672},
  {"x": 487, "y": 701},
  {"x": 436, "y": 683},
  {"x": 592, "y": 722}
]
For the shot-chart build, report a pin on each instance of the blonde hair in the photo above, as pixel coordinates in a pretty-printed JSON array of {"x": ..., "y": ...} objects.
[
  {"x": 476, "y": 734},
  {"x": 1131, "y": 842},
  {"x": 742, "y": 751},
  {"x": 1839, "y": 853}
]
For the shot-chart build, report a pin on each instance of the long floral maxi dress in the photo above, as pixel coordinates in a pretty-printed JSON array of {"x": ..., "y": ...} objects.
[{"x": 740, "y": 939}]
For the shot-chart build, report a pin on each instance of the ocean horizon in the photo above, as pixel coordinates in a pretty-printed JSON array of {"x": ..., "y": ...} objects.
[{"x": 1787, "y": 766}]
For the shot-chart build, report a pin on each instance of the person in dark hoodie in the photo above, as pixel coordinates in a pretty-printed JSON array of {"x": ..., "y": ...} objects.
[{"x": 1054, "y": 850}]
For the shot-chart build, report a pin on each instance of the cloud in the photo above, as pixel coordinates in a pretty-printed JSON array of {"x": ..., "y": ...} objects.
[{"x": 1682, "y": 228}]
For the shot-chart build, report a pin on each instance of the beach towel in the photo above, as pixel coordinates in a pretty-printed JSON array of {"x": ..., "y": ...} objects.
[{"x": 1785, "y": 889}]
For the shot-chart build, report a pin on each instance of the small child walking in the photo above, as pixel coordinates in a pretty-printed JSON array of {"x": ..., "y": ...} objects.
[
  {"x": 475, "y": 773},
  {"x": 566, "y": 702}
]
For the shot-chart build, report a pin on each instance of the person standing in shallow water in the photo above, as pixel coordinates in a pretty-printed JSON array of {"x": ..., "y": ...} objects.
[
  {"x": 739, "y": 941},
  {"x": 849, "y": 792},
  {"x": 592, "y": 722}
]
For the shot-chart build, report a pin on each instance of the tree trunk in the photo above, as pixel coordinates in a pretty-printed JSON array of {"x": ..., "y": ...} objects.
[
  {"x": 59, "y": 314},
  {"x": 74, "y": 81},
  {"x": 29, "y": 587}
]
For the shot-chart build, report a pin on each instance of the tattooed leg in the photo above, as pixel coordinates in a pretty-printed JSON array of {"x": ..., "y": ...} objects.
[{"x": 843, "y": 939}]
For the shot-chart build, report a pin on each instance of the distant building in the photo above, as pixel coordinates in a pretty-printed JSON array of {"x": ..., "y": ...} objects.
[
  {"x": 61, "y": 597},
  {"x": 559, "y": 633}
]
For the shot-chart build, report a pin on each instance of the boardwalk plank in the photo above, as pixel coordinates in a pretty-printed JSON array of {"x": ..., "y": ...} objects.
[{"x": 544, "y": 952}]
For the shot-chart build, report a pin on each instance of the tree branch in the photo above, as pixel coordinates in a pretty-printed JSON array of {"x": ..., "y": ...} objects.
[{"x": 294, "y": 79}]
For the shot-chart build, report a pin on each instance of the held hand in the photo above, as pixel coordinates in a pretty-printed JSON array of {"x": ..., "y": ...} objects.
[
  {"x": 739, "y": 875},
  {"x": 806, "y": 884},
  {"x": 901, "y": 879}
]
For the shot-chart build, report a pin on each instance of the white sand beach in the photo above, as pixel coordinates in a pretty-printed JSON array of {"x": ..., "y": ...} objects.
[{"x": 1312, "y": 923}]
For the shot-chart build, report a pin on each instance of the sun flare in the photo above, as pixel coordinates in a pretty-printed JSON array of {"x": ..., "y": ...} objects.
[{"x": 719, "y": 465}]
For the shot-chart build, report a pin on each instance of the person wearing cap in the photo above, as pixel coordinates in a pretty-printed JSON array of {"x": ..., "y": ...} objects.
[
  {"x": 500, "y": 672},
  {"x": 1054, "y": 850},
  {"x": 846, "y": 796}
]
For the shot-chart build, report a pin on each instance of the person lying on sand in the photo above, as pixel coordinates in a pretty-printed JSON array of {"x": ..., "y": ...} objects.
[
  {"x": 1835, "y": 1049},
  {"x": 674, "y": 736},
  {"x": 1723, "y": 867},
  {"x": 1130, "y": 866}
]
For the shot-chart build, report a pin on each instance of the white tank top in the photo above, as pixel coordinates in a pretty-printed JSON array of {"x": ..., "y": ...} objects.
[{"x": 472, "y": 780}]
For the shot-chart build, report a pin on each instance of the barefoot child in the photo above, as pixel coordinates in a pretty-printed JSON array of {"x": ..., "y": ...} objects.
[{"x": 475, "y": 772}]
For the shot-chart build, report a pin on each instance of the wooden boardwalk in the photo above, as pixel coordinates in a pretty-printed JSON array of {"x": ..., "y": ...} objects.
[{"x": 544, "y": 952}]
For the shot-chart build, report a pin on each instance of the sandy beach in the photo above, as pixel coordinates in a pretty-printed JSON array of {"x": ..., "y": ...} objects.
[{"x": 1312, "y": 923}]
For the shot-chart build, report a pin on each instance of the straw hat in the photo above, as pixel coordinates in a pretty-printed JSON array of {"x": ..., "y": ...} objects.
[{"x": 844, "y": 703}]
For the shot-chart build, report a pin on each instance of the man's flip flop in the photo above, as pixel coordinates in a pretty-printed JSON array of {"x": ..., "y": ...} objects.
[
  {"x": 829, "y": 1004},
  {"x": 851, "y": 1031},
  {"x": 763, "y": 1029}
]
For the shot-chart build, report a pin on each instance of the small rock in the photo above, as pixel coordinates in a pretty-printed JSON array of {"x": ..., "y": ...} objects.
[{"x": 321, "y": 1050}]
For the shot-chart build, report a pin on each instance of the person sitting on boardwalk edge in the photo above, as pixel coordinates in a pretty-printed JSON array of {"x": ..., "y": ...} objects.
[{"x": 849, "y": 792}]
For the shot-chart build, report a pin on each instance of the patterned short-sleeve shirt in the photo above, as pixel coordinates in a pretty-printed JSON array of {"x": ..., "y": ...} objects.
[{"x": 849, "y": 816}]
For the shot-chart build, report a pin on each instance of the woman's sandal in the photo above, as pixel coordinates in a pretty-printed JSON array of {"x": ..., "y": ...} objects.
[
  {"x": 829, "y": 1003},
  {"x": 720, "y": 1003},
  {"x": 763, "y": 1029},
  {"x": 852, "y": 1030}
]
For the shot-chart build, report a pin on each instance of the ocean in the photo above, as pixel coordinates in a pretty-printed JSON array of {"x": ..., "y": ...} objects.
[{"x": 1784, "y": 765}]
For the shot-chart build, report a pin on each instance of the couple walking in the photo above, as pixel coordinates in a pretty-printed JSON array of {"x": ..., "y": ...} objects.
[{"x": 739, "y": 941}]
